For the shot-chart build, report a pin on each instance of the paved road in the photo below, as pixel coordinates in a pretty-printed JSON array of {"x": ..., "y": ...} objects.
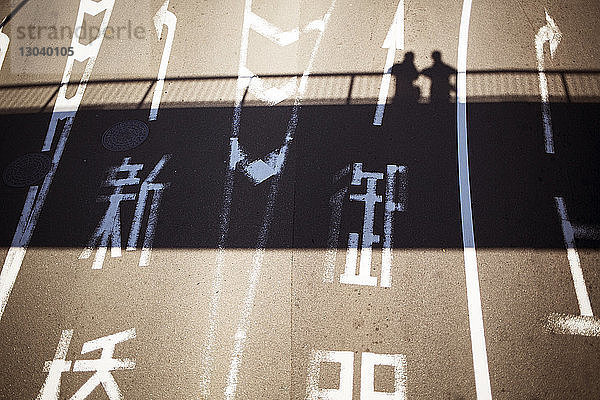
[{"x": 267, "y": 237}]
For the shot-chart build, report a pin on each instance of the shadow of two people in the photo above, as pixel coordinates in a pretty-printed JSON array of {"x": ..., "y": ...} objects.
[{"x": 439, "y": 73}]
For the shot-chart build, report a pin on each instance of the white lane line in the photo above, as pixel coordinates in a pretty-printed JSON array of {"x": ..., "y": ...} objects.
[
  {"x": 163, "y": 17},
  {"x": 16, "y": 253},
  {"x": 217, "y": 284},
  {"x": 64, "y": 109},
  {"x": 478, "y": 347},
  {"x": 547, "y": 33},
  {"x": 4, "y": 41},
  {"x": 244, "y": 323},
  {"x": 388, "y": 220},
  {"x": 393, "y": 41},
  {"x": 51, "y": 388},
  {"x": 335, "y": 203},
  {"x": 345, "y": 359},
  {"x": 583, "y": 298}
]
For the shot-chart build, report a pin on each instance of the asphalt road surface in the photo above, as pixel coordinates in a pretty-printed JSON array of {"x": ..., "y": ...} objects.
[{"x": 300, "y": 199}]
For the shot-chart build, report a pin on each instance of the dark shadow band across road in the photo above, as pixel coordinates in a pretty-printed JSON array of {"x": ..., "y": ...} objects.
[{"x": 513, "y": 180}]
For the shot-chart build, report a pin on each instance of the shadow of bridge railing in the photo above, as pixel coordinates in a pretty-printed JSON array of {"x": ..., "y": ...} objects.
[{"x": 515, "y": 85}]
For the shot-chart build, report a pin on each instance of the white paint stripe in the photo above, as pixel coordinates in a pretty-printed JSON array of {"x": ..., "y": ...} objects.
[
  {"x": 547, "y": 33},
  {"x": 478, "y": 346},
  {"x": 388, "y": 219},
  {"x": 565, "y": 324},
  {"x": 14, "y": 258},
  {"x": 152, "y": 219},
  {"x": 272, "y": 32},
  {"x": 163, "y": 17},
  {"x": 335, "y": 203},
  {"x": 583, "y": 298},
  {"x": 217, "y": 286},
  {"x": 385, "y": 86},
  {"x": 351, "y": 259},
  {"x": 242, "y": 84},
  {"x": 51, "y": 388},
  {"x": 138, "y": 215},
  {"x": 29, "y": 216},
  {"x": 394, "y": 40},
  {"x": 25, "y": 214},
  {"x": 244, "y": 323},
  {"x": 4, "y": 41},
  {"x": 147, "y": 185}
]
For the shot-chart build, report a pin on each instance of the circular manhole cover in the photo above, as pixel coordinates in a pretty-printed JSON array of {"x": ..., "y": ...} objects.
[
  {"x": 125, "y": 135},
  {"x": 27, "y": 170}
]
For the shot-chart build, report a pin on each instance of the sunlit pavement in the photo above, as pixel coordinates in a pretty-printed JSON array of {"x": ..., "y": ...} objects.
[{"x": 293, "y": 199}]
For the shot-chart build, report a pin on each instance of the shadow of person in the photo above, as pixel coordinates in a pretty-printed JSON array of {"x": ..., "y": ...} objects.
[
  {"x": 439, "y": 73},
  {"x": 405, "y": 75}
]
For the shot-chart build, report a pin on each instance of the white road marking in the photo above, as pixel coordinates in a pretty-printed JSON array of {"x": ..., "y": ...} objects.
[
  {"x": 234, "y": 157},
  {"x": 66, "y": 108},
  {"x": 4, "y": 41},
  {"x": 583, "y": 325},
  {"x": 163, "y": 17},
  {"x": 585, "y": 307},
  {"x": 102, "y": 366},
  {"x": 268, "y": 30},
  {"x": 370, "y": 198},
  {"x": 393, "y": 41},
  {"x": 63, "y": 110},
  {"x": 367, "y": 376},
  {"x": 344, "y": 390},
  {"x": 242, "y": 329},
  {"x": 547, "y": 33},
  {"x": 391, "y": 207},
  {"x": 335, "y": 203},
  {"x": 157, "y": 190},
  {"x": 272, "y": 95},
  {"x": 395, "y": 174},
  {"x": 478, "y": 347},
  {"x": 152, "y": 219},
  {"x": 51, "y": 388}
]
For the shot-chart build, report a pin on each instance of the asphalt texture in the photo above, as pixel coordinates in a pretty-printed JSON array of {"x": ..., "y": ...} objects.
[{"x": 242, "y": 286}]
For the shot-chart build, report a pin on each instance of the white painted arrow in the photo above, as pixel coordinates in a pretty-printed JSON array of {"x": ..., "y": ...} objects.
[
  {"x": 547, "y": 33},
  {"x": 393, "y": 41},
  {"x": 163, "y": 17},
  {"x": 4, "y": 41}
]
